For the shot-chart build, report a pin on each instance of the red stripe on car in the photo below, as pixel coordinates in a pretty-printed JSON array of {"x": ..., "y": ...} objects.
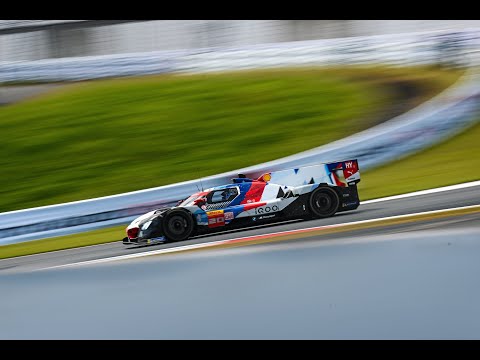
[{"x": 254, "y": 194}]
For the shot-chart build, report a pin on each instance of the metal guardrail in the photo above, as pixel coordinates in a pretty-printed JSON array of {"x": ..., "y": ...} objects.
[{"x": 448, "y": 113}]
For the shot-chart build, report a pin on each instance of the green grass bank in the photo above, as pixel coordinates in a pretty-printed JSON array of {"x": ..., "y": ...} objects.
[{"x": 99, "y": 138}]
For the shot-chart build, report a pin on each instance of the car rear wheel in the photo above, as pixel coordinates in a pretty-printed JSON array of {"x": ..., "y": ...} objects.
[
  {"x": 323, "y": 202},
  {"x": 178, "y": 225}
]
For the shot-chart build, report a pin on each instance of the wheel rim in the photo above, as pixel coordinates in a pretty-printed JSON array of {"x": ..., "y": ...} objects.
[
  {"x": 323, "y": 203},
  {"x": 177, "y": 225}
]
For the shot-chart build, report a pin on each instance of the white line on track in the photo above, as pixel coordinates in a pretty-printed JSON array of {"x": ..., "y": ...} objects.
[
  {"x": 251, "y": 238},
  {"x": 425, "y": 192}
]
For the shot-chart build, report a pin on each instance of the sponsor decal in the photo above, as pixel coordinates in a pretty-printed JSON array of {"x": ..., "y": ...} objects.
[
  {"x": 254, "y": 219},
  {"x": 215, "y": 218},
  {"x": 351, "y": 167},
  {"x": 266, "y": 209},
  {"x": 247, "y": 207},
  {"x": 228, "y": 215},
  {"x": 267, "y": 216},
  {"x": 267, "y": 177}
]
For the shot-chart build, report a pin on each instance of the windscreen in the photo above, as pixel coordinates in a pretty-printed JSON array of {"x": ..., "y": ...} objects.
[{"x": 189, "y": 201}]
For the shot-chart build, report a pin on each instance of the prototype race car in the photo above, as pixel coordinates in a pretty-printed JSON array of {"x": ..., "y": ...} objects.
[{"x": 308, "y": 192}]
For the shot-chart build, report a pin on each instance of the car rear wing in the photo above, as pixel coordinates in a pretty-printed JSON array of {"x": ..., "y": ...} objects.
[
  {"x": 340, "y": 173},
  {"x": 344, "y": 173}
]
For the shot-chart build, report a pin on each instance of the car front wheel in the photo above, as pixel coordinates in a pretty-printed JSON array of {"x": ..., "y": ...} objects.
[{"x": 178, "y": 225}]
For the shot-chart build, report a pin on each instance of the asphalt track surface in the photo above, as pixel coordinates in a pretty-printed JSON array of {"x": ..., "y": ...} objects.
[
  {"x": 410, "y": 205},
  {"x": 415, "y": 280}
]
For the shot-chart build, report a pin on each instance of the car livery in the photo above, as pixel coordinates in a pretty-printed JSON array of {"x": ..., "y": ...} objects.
[{"x": 308, "y": 192}]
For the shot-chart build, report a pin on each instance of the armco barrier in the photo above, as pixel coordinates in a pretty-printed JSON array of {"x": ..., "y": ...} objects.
[{"x": 453, "y": 110}]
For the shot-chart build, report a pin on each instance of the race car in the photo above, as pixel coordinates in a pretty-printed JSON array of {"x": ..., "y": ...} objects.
[{"x": 309, "y": 192}]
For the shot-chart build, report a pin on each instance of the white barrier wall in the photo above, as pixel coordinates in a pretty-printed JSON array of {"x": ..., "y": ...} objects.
[
  {"x": 450, "y": 48},
  {"x": 39, "y": 39}
]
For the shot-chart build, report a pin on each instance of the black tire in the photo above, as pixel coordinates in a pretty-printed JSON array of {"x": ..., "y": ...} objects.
[
  {"x": 178, "y": 225},
  {"x": 323, "y": 202}
]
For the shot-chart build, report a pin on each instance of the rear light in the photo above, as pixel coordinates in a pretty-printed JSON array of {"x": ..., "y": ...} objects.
[
  {"x": 265, "y": 177},
  {"x": 133, "y": 232}
]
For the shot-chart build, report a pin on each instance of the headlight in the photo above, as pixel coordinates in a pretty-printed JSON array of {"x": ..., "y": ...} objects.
[{"x": 146, "y": 225}]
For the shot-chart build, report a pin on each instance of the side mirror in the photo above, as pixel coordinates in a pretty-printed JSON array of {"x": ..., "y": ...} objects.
[{"x": 199, "y": 202}]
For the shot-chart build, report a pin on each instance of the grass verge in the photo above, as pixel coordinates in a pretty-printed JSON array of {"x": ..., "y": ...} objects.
[
  {"x": 95, "y": 237},
  {"x": 452, "y": 162},
  {"x": 106, "y": 137}
]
